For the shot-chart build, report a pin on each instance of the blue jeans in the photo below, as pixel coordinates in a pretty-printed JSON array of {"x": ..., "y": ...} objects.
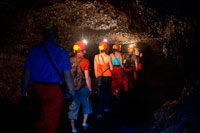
[{"x": 80, "y": 98}]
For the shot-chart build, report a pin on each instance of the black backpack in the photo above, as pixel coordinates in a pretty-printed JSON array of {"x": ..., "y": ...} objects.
[{"x": 77, "y": 74}]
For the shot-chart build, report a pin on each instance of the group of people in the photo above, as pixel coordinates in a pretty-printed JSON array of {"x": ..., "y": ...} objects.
[
  {"x": 48, "y": 64},
  {"x": 125, "y": 69}
]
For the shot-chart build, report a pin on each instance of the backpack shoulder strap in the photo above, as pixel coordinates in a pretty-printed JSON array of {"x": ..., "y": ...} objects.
[
  {"x": 75, "y": 59},
  {"x": 72, "y": 58},
  {"x": 79, "y": 59}
]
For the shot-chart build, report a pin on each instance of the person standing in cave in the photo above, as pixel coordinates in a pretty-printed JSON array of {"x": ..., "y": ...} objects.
[
  {"x": 117, "y": 72},
  {"x": 84, "y": 90},
  {"x": 129, "y": 62},
  {"x": 102, "y": 68},
  {"x": 41, "y": 80}
]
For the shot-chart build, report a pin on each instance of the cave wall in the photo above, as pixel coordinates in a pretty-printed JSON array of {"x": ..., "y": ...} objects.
[{"x": 123, "y": 21}]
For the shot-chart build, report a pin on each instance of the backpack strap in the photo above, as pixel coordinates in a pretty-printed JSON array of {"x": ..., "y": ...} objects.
[
  {"x": 79, "y": 59},
  {"x": 78, "y": 62},
  {"x": 52, "y": 63}
]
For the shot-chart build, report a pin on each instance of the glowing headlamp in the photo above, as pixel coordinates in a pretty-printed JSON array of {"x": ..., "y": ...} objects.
[
  {"x": 131, "y": 46},
  {"x": 105, "y": 40},
  {"x": 85, "y": 42}
]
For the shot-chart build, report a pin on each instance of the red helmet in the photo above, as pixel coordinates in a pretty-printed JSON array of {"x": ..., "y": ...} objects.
[
  {"x": 103, "y": 45},
  {"x": 79, "y": 46},
  {"x": 116, "y": 46}
]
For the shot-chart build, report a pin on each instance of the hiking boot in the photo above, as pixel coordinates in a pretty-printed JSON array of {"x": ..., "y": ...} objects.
[{"x": 99, "y": 116}]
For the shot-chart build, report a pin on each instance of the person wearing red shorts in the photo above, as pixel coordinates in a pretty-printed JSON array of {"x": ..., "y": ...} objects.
[{"x": 42, "y": 81}]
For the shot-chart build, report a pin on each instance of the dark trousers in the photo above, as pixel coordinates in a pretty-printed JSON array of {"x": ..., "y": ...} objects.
[
  {"x": 104, "y": 94},
  {"x": 46, "y": 103}
]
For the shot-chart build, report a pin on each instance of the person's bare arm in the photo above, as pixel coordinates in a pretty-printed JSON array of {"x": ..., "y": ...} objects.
[
  {"x": 95, "y": 66},
  {"x": 111, "y": 55},
  {"x": 69, "y": 80},
  {"x": 88, "y": 79},
  {"x": 25, "y": 81},
  {"x": 110, "y": 63},
  {"x": 136, "y": 64}
]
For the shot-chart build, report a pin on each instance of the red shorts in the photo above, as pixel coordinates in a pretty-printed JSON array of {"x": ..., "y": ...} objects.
[{"x": 46, "y": 102}]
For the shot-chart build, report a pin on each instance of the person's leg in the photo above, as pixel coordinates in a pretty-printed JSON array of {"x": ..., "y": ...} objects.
[
  {"x": 72, "y": 122},
  {"x": 51, "y": 102},
  {"x": 134, "y": 73},
  {"x": 36, "y": 109},
  {"x": 118, "y": 80},
  {"x": 73, "y": 111},
  {"x": 130, "y": 78},
  {"x": 100, "y": 100},
  {"x": 125, "y": 79},
  {"x": 85, "y": 117},
  {"x": 114, "y": 82},
  {"x": 86, "y": 105},
  {"x": 107, "y": 92}
]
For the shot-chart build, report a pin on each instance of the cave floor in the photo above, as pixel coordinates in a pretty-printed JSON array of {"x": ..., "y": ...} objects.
[
  {"x": 133, "y": 111},
  {"x": 129, "y": 113}
]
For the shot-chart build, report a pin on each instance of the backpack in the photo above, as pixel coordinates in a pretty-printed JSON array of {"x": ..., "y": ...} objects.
[
  {"x": 77, "y": 74},
  {"x": 127, "y": 60}
]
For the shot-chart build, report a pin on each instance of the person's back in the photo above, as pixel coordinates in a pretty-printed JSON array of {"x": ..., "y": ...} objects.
[
  {"x": 103, "y": 58},
  {"x": 116, "y": 58},
  {"x": 102, "y": 61},
  {"x": 40, "y": 65}
]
